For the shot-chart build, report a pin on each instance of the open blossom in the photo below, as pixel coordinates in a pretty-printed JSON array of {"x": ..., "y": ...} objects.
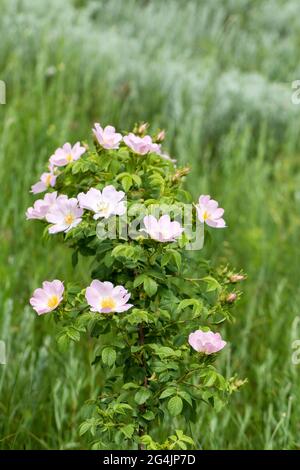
[
  {"x": 104, "y": 204},
  {"x": 64, "y": 215},
  {"x": 206, "y": 342},
  {"x": 67, "y": 154},
  {"x": 209, "y": 212},
  {"x": 46, "y": 180},
  {"x": 103, "y": 297},
  {"x": 162, "y": 230},
  {"x": 108, "y": 138},
  {"x": 141, "y": 145},
  {"x": 42, "y": 206},
  {"x": 48, "y": 298}
]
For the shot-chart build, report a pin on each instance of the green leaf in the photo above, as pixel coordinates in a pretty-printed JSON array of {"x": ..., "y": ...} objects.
[
  {"x": 137, "y": 179},
  {"x": 212, "y": 283},
  {"x": 177, "y": 258},
  {"x": 73, "y": 334},
  {"x": 175, "y": 405},
  {"x": 182, "y": 437},
  {"x": 195, "y": 303},
  {"x": 164, "y": 351},
  {"x": 138, "y": 316},
  {"x": 139, "y": 280},
  {"x": 168, "y": 392},
  {"x": 126, "y": 183},
  {"x": 186, "y": 396},
  {"x": 142, "y": 395},
  {"x": 130, "y": 385},
  {"x": 109, "y": 356},
  {"x": 150, "y": 286},
  {"x": 210, "y": 379},
  {"x": 149, "y": 415},
  {"x": 128, "y": 430},
  {"x": 166, "y": 258}
]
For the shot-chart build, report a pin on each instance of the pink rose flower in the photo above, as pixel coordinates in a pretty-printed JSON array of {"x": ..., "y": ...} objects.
[
  {"x": 103, "y": 204},
  {"x": 209, "y": 212},
  {"x": 42, "y": 206},
  {"x": 162, "y": 230},
  {"x": 103, "y": 297},
  {"x": 108, "y": 138},
  {"x": 67, "y": 154},
  {"x": 48, "y": 298},
  {"x": 206, "y": 342},
  {"x": 64, "y": 215},
  {"x": 46, "y": 180},
  {"x": 141, "y": 145}
]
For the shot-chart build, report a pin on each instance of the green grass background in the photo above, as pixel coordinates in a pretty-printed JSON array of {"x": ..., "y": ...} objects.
[{"x": 217, "y": 75}]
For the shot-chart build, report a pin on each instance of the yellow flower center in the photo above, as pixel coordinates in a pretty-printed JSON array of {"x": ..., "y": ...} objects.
[
  {"x": 205, "y": 215},
  {"x": 108, "y": 302},
  {"x": 48, "y": 180},
  {"x": 102, "y": 207},
  {"x": 69, "y": 219},
  {"x": 69, "y": 158},
  {"x": 53, "y": 301}
]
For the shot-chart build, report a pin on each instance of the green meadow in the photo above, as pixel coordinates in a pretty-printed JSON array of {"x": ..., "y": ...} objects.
[{"x": 217, "y": 75}]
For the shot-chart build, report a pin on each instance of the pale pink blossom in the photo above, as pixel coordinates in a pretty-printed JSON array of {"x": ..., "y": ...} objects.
[
  {"x": 209, "y": 212},
  {"x": 64, "y": 215},
  {"x": 103, "y": 204},
  {"x": 206, "y": 342},
  {"x": 67, "y": 154},
  {"x": 48, "y": 298},
  {"x": 46, "y": 180},
  {"x": 141, "y": 145},
  {"x": 42, "y": 206},
  {"x": 108, "y": 138},
  {"x": 162, "y": 230},
  {"x": 103, "y": 297}
]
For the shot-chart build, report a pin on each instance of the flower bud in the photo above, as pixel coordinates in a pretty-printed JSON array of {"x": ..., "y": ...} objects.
[
  {"x": 231, "y": 297},
  {"x": 142, "y": 128},
  {"x": 180, "y": 173},
  {"x": 160, "y": 136},
  {"x": 237, "y": 278}
]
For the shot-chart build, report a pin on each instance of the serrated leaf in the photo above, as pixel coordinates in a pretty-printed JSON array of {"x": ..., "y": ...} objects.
[
  {"x": 142, "y": 395},
  {"x": 150, "y": 286},
  {"x": 149, "y": 415},
  {"x": 73, "y": 334},
  {"x": 175, "y": 405},
  {"x": 126, "y": 183},
  {"x": 168, "y": 392},
  {"x": 128, "y": 430},
  {"x": 186, "y": 397},
  {"x": 212, "y": 283},
  {"x": 109, "y": 356}
]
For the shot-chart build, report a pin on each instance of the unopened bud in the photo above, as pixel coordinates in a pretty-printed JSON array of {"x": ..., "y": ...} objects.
[
  {"x": 231, "y": 298},
  {"x": 180, "y": 173},
  {"x": 143, "y": 127},
  {"x": 160, "y": 136},
  {"x": 237, "y": 278}
]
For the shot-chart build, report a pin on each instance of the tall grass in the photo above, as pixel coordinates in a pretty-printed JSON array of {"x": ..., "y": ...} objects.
[{"x": 207, "y": 71}]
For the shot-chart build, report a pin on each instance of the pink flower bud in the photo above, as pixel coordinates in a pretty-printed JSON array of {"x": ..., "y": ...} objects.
[
  {"x": 143, "y": 127},
  {"x": 231, "y": 298},
  {"x": 237, "y": 278},
  {"x": 160, "y": 136}
]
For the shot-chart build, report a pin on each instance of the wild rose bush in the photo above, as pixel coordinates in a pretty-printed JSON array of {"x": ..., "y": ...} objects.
[{"x": 152, "y": 307}]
